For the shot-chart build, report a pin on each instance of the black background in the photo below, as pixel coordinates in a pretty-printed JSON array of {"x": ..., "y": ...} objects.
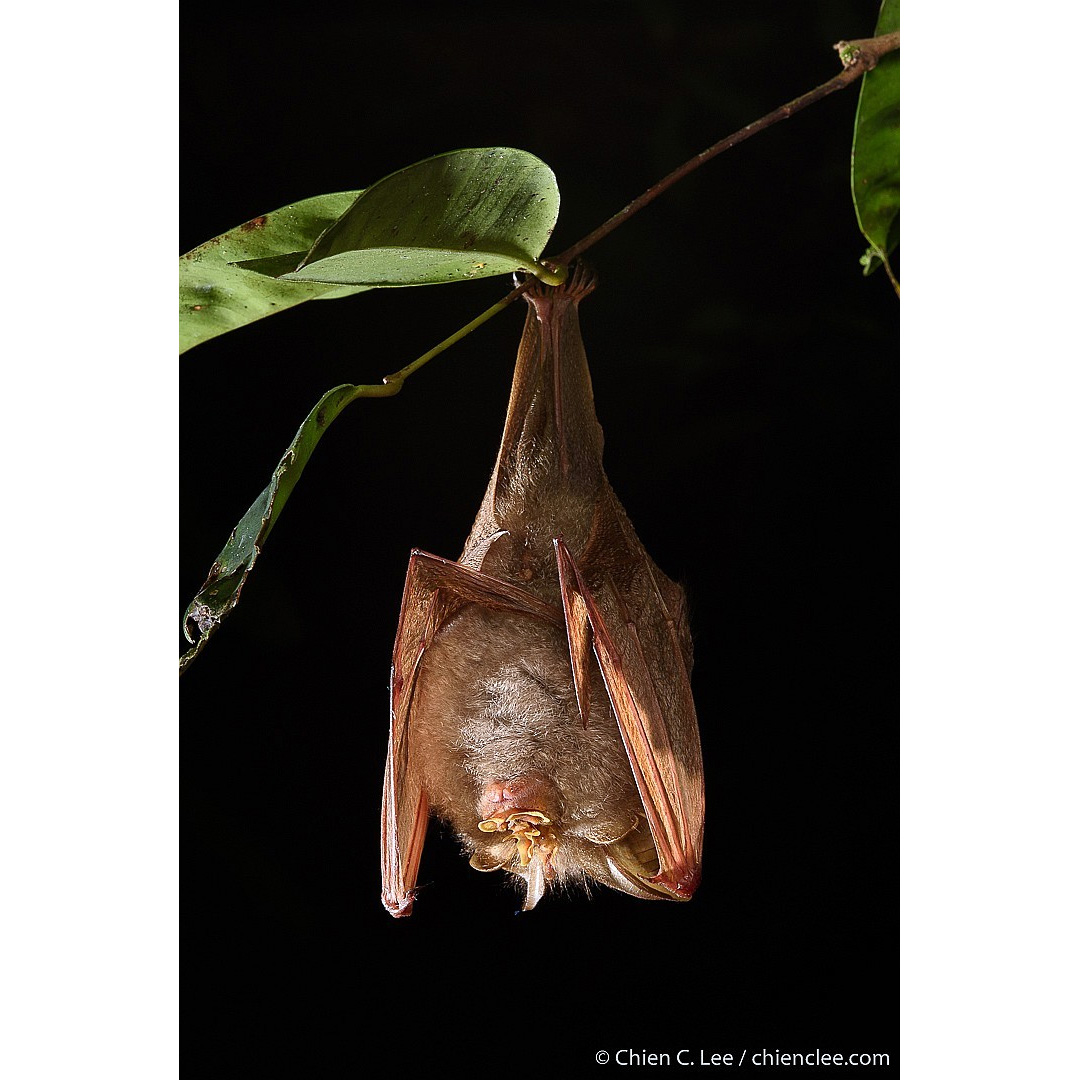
[{"x": 745, "y": 375}]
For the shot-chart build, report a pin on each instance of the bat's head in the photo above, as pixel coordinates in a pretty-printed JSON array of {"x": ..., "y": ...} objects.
[{"x": 526, "y": 830}]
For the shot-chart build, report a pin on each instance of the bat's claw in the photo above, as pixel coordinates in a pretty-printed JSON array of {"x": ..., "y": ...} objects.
[{"x": 399, "y": 907}]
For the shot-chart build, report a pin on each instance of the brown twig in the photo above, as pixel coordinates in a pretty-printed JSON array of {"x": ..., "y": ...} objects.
[{"x": 858, "y": 57}]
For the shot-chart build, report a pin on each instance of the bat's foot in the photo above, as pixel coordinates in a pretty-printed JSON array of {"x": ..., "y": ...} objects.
[{"x": 580, "y": 281}]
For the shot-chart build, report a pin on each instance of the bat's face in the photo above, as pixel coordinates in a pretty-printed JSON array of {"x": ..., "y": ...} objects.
[{"x": 614, "y": 849}]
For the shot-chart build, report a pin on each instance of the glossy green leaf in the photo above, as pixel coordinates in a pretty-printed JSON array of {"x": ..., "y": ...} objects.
[
  {"x": 875, "y": 154},
  {"x": 466, "y": 214},
  {"x": 216, "y": 296},
  {"x": 221, "y": 590}
]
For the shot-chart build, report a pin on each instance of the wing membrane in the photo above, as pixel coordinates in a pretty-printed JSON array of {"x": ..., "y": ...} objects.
[{"x": 657, "y": 723}]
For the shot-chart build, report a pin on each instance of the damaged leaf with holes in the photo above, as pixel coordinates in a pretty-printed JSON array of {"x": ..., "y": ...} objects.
[{"x": 221, "y": 590}]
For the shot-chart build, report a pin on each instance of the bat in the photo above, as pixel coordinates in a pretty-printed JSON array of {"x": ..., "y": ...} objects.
[{"x": 540, "y": 685}]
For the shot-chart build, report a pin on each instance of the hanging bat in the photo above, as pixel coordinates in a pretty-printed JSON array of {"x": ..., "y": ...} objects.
[{"x": 540, "y": 688}]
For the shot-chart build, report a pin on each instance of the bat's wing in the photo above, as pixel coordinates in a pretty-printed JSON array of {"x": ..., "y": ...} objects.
[
  {"x": 435, "y": 590},
  {"x": 652, "y": 703}
]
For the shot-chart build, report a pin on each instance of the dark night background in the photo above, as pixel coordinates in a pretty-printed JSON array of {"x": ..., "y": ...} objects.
[{"x": 746, "y": 377}]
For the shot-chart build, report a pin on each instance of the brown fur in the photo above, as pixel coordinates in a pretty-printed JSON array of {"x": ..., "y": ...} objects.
[{"x": 487, "y": 690}]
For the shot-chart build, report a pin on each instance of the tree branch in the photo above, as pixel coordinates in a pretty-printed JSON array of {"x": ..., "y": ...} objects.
[{"x": 858, "y": 57}]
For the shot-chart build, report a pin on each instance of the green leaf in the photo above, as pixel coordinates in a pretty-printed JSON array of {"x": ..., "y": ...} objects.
[
  {"x": 466, "y": 214},
  {"x": 875, "y": 154},
  {"x": 216, "y": 296},
  {"x": 221, "y": 590}
]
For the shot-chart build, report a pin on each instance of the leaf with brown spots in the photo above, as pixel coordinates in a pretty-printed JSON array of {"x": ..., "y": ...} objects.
[{"x": 217, "y": 296}]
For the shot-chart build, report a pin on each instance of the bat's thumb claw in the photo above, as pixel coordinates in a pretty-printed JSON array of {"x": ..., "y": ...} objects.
[{"x": 399, "y": 907}]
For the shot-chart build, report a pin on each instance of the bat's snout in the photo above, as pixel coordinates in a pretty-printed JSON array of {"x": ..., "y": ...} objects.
[{"x": 531, "y": 793}]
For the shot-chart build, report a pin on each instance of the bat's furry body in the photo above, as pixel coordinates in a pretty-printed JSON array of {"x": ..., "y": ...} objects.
[{"x": 541, "y": 700}]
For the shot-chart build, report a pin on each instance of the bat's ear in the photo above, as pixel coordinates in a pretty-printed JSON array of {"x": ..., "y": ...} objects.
[
  {"x": 637, "y": 884},
  {"x": 630, "y": 865},
  {"x": 633, "y": 865},
  {"x": 485, "y": 862}
]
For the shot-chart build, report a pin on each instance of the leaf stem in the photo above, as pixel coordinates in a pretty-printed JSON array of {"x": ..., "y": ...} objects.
[
  {"x": 889, "y": 271},
  {"x": 392, "y": 384}
]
